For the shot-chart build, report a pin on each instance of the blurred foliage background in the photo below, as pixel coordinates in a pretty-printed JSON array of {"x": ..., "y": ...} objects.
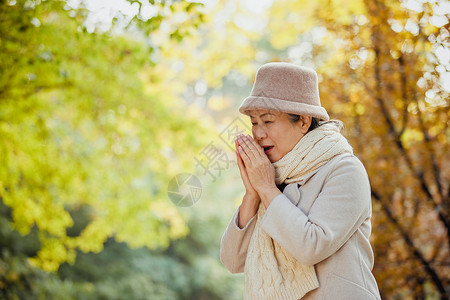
[{"x": 102, "y": 103}]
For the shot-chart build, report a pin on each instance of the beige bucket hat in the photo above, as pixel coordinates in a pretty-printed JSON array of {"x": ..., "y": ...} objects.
[{"x": 287, "y": 88}]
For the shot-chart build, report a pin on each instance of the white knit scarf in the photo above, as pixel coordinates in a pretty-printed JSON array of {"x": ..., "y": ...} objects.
[{"x": 271, "y": 272}]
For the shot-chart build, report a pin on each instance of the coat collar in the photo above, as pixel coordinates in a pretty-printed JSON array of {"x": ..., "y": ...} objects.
[{"x": 292, "y": 192}]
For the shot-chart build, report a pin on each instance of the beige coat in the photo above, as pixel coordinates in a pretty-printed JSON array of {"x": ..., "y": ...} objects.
[{"x": 325, "y": 223}]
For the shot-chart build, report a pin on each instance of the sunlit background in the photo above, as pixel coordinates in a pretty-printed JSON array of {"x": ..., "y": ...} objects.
[{"x": 117, "y": 120}]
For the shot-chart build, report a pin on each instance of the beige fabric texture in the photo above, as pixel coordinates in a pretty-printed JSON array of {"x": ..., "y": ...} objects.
[
  {"x": 285, "y": 87},
  {"x": 325, "y": 223}
]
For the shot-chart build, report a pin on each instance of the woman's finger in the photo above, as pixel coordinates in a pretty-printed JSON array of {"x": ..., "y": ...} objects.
[
  {"x": 247, "y": 147},
  {"x": 240, "y": 144},
  {"x": 239, "y": 159},
  {"x": 243, "y": 172},
  {"x": 255, "y": 145},
  {"x": 243, "y": 155}
]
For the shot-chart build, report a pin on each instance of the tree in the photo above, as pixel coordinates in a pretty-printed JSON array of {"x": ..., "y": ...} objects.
[
  {"x": 87, "y": 121},
  {"x": 381, "y": 75}
]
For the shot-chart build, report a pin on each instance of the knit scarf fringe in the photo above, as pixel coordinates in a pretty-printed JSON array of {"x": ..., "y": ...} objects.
[{"x": 271, "y": 272}]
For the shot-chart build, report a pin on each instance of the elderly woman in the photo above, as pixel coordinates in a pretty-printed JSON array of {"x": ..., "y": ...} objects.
[{"x": 302, "y": 229}]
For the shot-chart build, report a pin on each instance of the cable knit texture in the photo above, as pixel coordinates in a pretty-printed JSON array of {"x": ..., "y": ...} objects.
[
  {"x": 271, "y": 272},
  {"x": 311, "y": 152}
]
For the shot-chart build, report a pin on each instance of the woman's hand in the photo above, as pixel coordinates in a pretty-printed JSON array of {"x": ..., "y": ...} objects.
[
  {"x": 251, "y": 200},
  {"x": 249, "y": 190},
  {"x": 260, "y": 171}
]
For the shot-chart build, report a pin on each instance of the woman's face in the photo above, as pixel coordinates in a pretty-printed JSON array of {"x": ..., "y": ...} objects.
[{"x": 273, "y": 128}]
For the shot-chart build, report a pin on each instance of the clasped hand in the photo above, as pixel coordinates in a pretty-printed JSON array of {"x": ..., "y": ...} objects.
[{"x": 254, "y": 165}]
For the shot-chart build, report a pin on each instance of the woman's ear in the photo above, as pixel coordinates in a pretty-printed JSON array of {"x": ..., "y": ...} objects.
[{"x": 305, "y": 122}]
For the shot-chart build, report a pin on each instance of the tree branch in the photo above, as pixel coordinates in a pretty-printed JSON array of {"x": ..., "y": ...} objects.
[
  {"x": 404, "y": 94},
  {"x": 415, "y": 251},
  {"x": 396, "y": 137}
]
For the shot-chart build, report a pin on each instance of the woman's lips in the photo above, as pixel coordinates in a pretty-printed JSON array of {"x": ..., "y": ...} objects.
[{"x": 267, "y": 150}]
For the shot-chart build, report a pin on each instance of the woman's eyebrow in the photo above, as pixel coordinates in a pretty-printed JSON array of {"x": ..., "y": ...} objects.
[{"x": 262, "y": 115}]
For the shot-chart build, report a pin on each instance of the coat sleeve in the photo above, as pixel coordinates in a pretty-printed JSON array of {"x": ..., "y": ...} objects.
[
  {"x": 340, "y": 208},
  {"x": 234, "y": 244}
]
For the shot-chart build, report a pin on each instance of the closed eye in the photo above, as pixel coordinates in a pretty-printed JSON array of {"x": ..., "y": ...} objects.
[{"x": 264, "y": 122}]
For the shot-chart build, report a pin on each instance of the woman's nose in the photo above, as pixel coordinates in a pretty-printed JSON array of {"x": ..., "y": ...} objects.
[{"x": 259, "y": 133}]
